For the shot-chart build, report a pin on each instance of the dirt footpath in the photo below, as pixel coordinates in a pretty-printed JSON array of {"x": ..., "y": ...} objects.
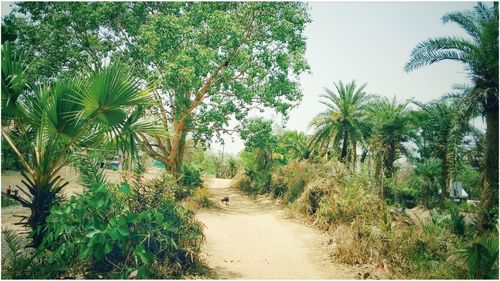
[{"x": 250, "y": 239}]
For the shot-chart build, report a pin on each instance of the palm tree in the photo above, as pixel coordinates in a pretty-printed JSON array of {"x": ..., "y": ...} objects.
[
  {"x": 340, "y": 125},
  {"x": 390, "y": 128},
  {"x": 291, "y": 145},
  {"x": 441, "y": 136},
  {"x": 479, "y": 53},
  {"x": 54, "y": 122}
]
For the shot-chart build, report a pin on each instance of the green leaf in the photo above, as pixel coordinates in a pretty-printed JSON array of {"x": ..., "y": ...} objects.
[
  {"x": 108, "y": 248},
  {"x": 125, "y": 188},
  {"x": 92, "y": 233},
  {"x": 123, "y": 230},
  {"x": 115, "y": 235},
  {"x": 132, "y": 217},
  {"x": 100, "y": 202},
  {"x": 146, "y": 256},
  {"x": 159, "y": 217},
  {"x": 122, "y": 221},
  {"x": 143, "y": 272}
]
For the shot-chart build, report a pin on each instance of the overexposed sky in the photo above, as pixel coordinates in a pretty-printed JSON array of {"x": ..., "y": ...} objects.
[{"x": 369, "y": 42}]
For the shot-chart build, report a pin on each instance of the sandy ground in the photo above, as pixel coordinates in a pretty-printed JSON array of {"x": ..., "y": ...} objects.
[
  {"x": 13, "y": 178},
  {"x": 249, "y": 239}
]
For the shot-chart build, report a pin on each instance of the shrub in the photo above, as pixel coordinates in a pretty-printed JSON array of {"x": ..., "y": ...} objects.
[
  {"x": 457, "y": 222},
  {"x": 289, "y": 181},
  {"x": 353, "y": 201},
  {"x": 114, "y": 234},
  {"x": 309, "y": 201},
  {"x": 482, "y": 258},
  {"x": 202, "y": 198},
  {"x": 10, "y": 161},
  {"x": 190, "y": 176}
]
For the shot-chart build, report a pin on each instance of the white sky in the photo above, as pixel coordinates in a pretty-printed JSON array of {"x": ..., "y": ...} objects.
[{"x": 369, "y": 42}]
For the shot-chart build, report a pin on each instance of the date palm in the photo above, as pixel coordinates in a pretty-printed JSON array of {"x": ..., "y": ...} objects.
[
  {"x": 441, "y": 136},
  {"x": 55, "y": 121},
  {"x": 390, "y": 128},
  {"x": 479, "y": 53},
  {"x": 340, "y": 125}
]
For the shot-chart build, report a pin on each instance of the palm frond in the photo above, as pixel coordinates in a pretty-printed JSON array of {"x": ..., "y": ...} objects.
[{"x": 438, "y": 49}]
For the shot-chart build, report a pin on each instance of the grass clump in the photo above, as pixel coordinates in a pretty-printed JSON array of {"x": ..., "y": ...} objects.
[{"x": 201, "y": 199}]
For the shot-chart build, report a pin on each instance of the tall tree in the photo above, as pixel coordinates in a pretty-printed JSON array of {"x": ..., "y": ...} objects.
[
  {"x": 479, "y": 52},
  {"x": 390, "y": 128},
  {"x": 214, "y": 62},
  {"x": 441, "y": 136},
  {"x": 340, "y": 125}
]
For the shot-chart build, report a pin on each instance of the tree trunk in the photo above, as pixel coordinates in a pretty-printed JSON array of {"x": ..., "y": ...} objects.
[
  {"x": 445, "y": 173},
  {"x": 176, "y": 147},
  {"x": 39, "y": 213},
  {"x": 389, "y": 159},
  {"x": 489, "y": 194},
  {"x": 345, "y": 145}
]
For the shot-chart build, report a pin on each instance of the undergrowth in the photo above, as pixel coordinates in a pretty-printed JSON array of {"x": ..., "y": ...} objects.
[{"x": 366, "y": 230}]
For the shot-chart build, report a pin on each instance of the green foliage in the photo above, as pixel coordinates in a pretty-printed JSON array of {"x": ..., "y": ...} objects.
[
  {"x": 340, "y": 128},
  {"x": 113, "y": 234},
  {"x": 10, "y": 161},
  {"x": 190, "y": 176},
  {"x": 54, "y": 122},
  {"x": 216, "y": 61},
  {"x": 457, "y": 221},
  {"x": 257, "y": 134},
  {"x": 7, "y": 202},
  {"x": 291, "y": 145},
  {"x": 427, "y": 177},
  {"x": 91, "y": 174},
  {"x": 479, "y": 53},
  {"x": 406, "y": 194},
  {"x": 258, "y": 155},
  {"x": 202, "y": 198},
  {"x": 389, "y": 128},
  {"x": 482, "y": 258},
  {"x": 14, "y": 260},
  {"x": 471, "y": 179}
]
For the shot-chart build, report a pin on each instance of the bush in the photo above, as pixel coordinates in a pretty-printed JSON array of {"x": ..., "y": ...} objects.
[
  {"x": 353, "y": 201},
  {"x": 314, "y": 192},
  {"x": 10, "y": 161},
  {"x": 190, "y": 176},
  {"x": 289, "y": 181},
  {"x": 482, "y": 258},
  {"x": 202, "y": 198},
  {"x": 108, "y": 231},
  {"x": 457, "y": 222}
]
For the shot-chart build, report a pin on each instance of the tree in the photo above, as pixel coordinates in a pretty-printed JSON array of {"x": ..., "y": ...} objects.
[
  {"x": 340, "y": 125},
  {"x": 53, "y": 122},
  {"x": 259, "y": 145},
  {"x": 213, "y": 61},
  {"x": 479, "y": 53},
  {"x": 390, "y": 128},
  {"x": 441, "y": 136},
  {"x": 291, "y": 145}
]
